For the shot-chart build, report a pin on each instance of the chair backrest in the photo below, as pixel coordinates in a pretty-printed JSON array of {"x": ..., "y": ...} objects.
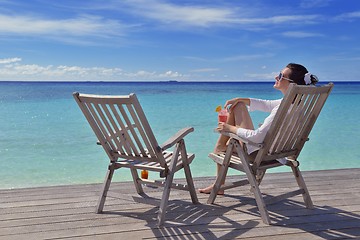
[
  {"x": 293, "y": 122},
  {"x": 121, "y": 127}
]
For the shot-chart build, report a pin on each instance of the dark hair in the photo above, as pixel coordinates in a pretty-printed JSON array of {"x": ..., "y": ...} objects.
[{"x": 298, "y": 72}]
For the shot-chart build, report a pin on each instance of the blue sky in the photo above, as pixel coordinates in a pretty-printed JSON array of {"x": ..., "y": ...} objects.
[{"x": 188, "y": 40}]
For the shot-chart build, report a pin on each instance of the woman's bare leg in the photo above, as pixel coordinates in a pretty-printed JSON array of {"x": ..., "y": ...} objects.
[{"x": 239, "y": 117}]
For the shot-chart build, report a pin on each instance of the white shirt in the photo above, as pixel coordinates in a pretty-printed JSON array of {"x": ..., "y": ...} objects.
[{"x": 258, "y": 135}]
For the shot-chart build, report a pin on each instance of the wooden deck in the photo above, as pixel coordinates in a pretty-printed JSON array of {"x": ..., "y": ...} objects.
[{"x": 62, "y": 212}]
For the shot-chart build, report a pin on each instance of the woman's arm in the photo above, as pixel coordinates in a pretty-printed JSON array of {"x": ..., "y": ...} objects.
[
  {"x": 256, "y": 135},
  {"x": 254, "y": 104},
  {"x": 263, "y": 105},
  {"x": 234, "y": 101}
]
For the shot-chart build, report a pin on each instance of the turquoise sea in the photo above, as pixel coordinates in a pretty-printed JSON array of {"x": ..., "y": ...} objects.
[{"x": 45, "y": 139}]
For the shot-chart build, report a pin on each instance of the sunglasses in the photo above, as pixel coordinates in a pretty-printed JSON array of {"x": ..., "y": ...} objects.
[{"x": 281, "y": 77}]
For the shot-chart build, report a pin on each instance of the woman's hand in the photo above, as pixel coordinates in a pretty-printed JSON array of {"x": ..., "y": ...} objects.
[
  {"x": 220, "y": 126},
  {"x": 224, "y": 127},
  {"x": 231, "y": 103}
]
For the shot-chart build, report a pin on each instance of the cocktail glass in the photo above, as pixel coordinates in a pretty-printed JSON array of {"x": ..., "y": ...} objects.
[{"x": 223, "y": 115}]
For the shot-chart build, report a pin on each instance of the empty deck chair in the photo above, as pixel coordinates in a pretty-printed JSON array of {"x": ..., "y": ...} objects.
[
  {"x": 125, "y": 134},
  {"x": 285, "y": 139}
]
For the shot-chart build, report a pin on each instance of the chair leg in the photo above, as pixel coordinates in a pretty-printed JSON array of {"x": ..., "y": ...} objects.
[
  {"x": 259, "y": 176},
  {"x": 189, "y": 179},
  {"x": 105, "y": 188},
  {"x": 259, "y": 199},
  {"x": 135, "y": 177},
  {"x": 254, "y": 185},
  {"x": 221, "y": 174},
  {"x": 301, "y": 183},
  {"x": 167, "y": 186}
]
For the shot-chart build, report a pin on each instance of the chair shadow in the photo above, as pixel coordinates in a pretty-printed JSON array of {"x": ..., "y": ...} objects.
[
  {"x": 204, "y": 221},
  {"x": 324, "y": 221},
  {"x": 192, "y": 221}
]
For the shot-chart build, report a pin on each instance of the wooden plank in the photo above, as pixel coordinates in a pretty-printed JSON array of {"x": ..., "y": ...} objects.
[{"x": 68, "y": 211}]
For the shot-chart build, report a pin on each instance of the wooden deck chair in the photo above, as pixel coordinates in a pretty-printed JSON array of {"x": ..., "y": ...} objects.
[
  {"x": 285, "y": 139},
  {"x": 125, "y": 134}
]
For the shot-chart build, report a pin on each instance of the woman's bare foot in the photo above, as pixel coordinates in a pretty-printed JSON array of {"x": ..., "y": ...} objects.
[{"x": 208, "y": 190}]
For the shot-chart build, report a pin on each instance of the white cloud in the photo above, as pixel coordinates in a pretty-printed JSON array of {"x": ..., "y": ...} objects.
[
  {"x": 170, "y": 74},
  {"x": 188, "y": 15},
  {"x": 207, "y": 16},
  {"x": 61, "y": 29},
  {"x": 141, "y": 74},
  {"x": 300, "y": 34},
  {"x": 350, "y": 16},
  {"x": 30, "y": 69},
  {"x": 90, "y": 29},
  {"x": 9, "y": 60},
  {"x": 294, "y": 19},
  {"x": 12, "y": 69}
]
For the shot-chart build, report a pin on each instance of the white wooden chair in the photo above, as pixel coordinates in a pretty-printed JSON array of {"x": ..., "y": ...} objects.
[
  {"x": 285, "y": 139},
  {"x": 125, "y": 134}
]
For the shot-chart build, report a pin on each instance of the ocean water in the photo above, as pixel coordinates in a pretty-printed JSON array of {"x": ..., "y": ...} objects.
[{"x": 45, "y": 140}]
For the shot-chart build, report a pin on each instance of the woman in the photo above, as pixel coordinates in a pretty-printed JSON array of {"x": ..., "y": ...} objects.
[{"x": 239, "y": 121}]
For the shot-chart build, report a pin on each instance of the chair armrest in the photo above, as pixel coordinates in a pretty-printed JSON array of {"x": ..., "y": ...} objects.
[
  {"x": 246, "y": 141},
  {"x": 176, "y": 138}
]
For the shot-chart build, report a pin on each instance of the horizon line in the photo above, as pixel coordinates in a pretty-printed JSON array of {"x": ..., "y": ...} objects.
[{"x": 157, "y": 81}]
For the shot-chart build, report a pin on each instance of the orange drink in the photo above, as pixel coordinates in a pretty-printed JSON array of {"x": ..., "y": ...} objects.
[{"x": 144, "y": 174}]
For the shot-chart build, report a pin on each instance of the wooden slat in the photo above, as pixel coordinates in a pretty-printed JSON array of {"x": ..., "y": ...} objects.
[
  {"x": 146, "y": 132},
  {"x": 127, "y": 126},
  {"x": 66, "y": 212},
  {"x": 297, "y": 120},
  {"x": 88, "y": 112},
  {"x": 303, "y": 120},
  {"x": 141, "y": 130},
  {"x": 113, "y": 132},
  {"x": 286, "y": 127}
]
